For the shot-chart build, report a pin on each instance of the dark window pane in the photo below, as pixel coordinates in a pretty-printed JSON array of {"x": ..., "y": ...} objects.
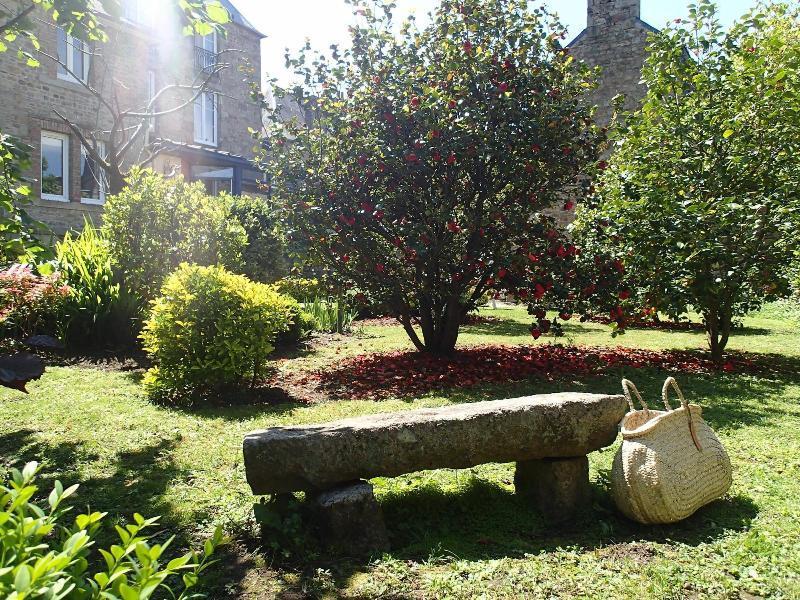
[{"x": 52, "y": 166}]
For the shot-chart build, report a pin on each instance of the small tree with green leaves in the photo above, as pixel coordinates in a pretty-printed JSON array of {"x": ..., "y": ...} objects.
[
  {"x": 427, "y": 157},
  {"x": 702, "y": 196}
]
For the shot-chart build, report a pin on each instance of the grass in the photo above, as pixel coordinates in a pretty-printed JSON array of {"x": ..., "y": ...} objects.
[{"x": 455, "y": 534}]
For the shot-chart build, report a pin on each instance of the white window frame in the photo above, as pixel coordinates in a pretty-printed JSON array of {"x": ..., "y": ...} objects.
[
  {"x": 201, "y": 104},
  {"x": 137, "y": 12},
  {"x": 64, "y": 164},
  {"x": 73, "y": 44},
  {"x": 101, "y": 148}
]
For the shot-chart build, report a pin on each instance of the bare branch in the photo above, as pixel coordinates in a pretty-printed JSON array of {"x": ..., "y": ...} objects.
[{"x": 90, "y": 148}]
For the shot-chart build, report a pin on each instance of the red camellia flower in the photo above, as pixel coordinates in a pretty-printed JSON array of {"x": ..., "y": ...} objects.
[
  {"x": 389, "y": 117},
  {"x": 536, "y": 333},
  {"x": 569, "y": 205},
  {"x": 624, "y": 295},
  {"x": 566, "y": 150},
  {"x": 529, "y": 168},
  {"x": 362, "y": 160},
  {"x": 436, "y": 156},
  {"x": 467, "y": 47},
  {"x": 565, "y": 316},
  {"x": 411, "y": 157},
  {"x": 452, "y": 103},
  {"x": 453, "y": 227},
  {"x": 415, "y": 102},
  {"x": 451, "y": 160},
  {"x": 376, "y": 80},
  {"x": 345, "y": 258},
  {"x": 503, "y": 87},
  {"x": 367, "y": 207},
  {"x": 538, "y": 291},
  {"x": 378, "y": 214},
  {"x": 380, "y": 268},
  {"x": 536, "y": 148},
  {"x": 602, "y": 165},
  {"x": 619, "y": 266},
  {"x": 502, "y": 272},
  {"x": 435, "y": 134}
]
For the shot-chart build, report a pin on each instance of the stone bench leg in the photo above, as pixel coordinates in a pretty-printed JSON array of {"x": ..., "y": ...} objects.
[
  {"x": 559, "y": 487},
  {"x": 350, "y": 519}
]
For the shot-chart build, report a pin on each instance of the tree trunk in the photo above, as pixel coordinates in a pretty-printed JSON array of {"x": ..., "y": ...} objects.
[
  {"x": 718, "y": 329},
  {"x": 116, "y": 182}
]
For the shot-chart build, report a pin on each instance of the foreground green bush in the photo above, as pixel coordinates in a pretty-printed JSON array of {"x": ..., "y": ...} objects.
[
  {"x": 211, "y": 330},
  {"x": 42, "y": 556},
  {"x": 96, "y": 308},
  {"x": 155, "y": 224}
]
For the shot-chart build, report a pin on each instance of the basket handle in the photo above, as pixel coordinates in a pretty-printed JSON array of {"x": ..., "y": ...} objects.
[
  {"x": 670, "y": 382},
  {"x": 628, "y": 387}
]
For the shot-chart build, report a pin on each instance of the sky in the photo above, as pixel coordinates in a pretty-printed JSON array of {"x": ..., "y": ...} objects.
[{"x": 287, "y": 23}]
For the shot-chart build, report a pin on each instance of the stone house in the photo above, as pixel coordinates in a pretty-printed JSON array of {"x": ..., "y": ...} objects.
[
  {"x": 615, "y": 39},
  {"x": 206, "y": 140}
]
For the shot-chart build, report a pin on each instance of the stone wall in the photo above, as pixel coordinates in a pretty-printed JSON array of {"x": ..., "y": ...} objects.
[{"x": 615, "y": 40}]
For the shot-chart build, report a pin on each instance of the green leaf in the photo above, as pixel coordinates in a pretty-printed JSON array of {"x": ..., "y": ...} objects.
[
  {"x": 217, "y": 13},
  {"x": 728, "y": 133}
]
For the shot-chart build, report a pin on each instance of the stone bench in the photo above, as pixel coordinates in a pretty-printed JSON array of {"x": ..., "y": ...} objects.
[{"x": 548, "y": 436}]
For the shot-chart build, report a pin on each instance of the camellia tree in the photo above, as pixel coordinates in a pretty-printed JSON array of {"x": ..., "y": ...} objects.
[
  {"x": 427, "y": 156},
  {"x": 702, "y": 196}
]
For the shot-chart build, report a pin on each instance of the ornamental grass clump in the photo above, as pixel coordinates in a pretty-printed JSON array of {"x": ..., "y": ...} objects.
[{"x": 209, "y": 331}]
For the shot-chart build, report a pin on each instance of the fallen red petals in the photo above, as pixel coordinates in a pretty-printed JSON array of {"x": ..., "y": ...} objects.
[{"x": 384, "y": 375}]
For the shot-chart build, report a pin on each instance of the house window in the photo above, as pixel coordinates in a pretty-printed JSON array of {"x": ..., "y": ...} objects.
[
  {"x": 205, "y": 118},
  {"x": 216, "y": 179},
  {"x": 93, "y": 177},
  {"x": 73, "y": 58},
  {"x": 138, "y": 11},
  {"x": 55, "y": 166},
  {"x": 205, "y": 52}
]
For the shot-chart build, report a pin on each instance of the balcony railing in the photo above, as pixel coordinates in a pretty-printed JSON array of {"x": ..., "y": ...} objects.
[{"x": 204, "y": 60}]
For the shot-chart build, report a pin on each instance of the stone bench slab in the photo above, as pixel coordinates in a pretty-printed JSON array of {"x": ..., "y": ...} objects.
[{"x": 320, "y": 457}]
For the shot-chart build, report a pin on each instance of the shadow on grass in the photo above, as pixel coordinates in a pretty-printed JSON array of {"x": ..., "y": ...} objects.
[
  {"x": 56, "y": 460},
  {"x": 483, "y": 521}
]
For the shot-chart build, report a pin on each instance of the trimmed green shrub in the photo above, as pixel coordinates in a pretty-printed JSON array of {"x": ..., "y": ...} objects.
[
  {"x": 155, "y": 224},
  {"x": 299, "y": 288},
  {"x": 211, "y": 330},
  {"x": 265, "y": 258},
  {"x": 303, "y": 323},
  {"x": 42, "y": 556},
  {"x": 96, "y": 308}
]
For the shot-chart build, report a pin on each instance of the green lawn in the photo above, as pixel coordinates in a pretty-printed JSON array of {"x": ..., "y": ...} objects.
[{"x": 459, "y": 534}]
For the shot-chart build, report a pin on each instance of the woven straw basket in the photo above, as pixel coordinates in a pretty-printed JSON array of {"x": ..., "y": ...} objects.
[{"x": 671, "y": 462}]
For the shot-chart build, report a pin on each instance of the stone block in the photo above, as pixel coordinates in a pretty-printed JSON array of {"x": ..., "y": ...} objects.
[
  {"x": 559, "y": 487},
  {"x": 350, "y": 520}
]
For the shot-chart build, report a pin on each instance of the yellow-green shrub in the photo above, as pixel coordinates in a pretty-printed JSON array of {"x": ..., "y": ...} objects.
[{"x": 211, "y": 330}]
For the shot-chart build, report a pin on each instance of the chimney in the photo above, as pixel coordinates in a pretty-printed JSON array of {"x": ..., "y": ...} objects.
[{"x": 606, "y": 13}]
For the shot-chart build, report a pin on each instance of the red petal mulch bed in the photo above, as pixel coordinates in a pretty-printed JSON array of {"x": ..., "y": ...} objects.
[{"x": 383, "y": 375}]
